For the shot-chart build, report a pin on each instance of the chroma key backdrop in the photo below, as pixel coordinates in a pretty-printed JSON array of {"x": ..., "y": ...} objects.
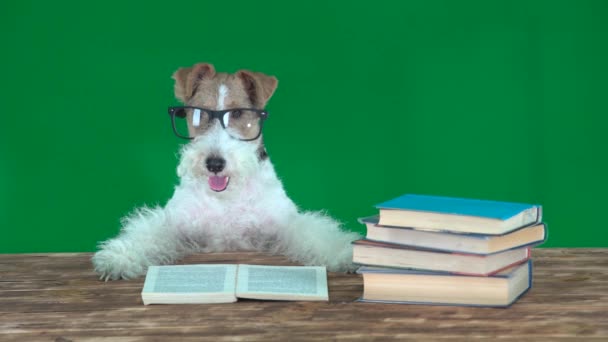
[{"x": 502, "y": 100}]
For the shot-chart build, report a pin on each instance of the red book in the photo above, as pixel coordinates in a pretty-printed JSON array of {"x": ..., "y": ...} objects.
[{"x": 373, "y": 253}]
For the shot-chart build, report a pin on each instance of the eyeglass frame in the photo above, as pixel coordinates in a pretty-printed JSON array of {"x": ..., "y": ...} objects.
[{"x": 216, "y": 114}]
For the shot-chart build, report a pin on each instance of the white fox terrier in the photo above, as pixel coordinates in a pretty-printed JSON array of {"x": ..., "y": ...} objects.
[{"x": 229, "y": 196}]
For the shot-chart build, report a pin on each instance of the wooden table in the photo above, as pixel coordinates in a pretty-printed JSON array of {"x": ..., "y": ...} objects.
[{"x": 57, "y": 297}]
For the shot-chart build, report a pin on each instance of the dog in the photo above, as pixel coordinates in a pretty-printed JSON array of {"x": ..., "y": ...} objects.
[{"x": 229, "y": 197}]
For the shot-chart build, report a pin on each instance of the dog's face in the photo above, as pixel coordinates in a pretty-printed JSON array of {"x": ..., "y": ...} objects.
[{"x": 216, "y": 156}]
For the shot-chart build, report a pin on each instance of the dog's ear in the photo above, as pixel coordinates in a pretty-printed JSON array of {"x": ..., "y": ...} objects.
[
  {"x": 187, "y": 79},
  {"x": 259, "y": 87}
]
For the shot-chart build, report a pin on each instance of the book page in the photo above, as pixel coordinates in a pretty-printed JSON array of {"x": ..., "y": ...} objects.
[
  {"x": 190, "y": 283},
  {"x": 282, "y": 282}
]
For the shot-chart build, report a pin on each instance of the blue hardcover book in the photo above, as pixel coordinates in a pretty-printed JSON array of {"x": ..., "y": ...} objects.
[
  {"x": 531, "y": 235},
  {"x": 388, "y": 285},
  {"x": 457, "y": 214}
]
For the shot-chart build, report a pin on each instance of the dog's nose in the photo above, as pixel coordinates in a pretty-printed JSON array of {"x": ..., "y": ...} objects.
[{"x": 215, "y": 164}]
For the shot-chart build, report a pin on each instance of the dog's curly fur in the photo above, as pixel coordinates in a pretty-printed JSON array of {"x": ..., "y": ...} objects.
[{"x": 253, "y": 213}]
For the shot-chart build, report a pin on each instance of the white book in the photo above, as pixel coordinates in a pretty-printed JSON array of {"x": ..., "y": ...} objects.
[{"x": 224, "y": 283}]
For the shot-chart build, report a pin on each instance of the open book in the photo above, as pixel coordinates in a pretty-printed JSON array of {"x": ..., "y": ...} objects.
[{"x": 222, "y": 283}]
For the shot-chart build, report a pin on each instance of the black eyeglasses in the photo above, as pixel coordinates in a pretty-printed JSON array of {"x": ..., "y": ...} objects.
[{"x": 240, "y": 123}]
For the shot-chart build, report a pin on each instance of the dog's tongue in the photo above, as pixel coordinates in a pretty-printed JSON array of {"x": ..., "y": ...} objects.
[{"x": 218, "y": 183}]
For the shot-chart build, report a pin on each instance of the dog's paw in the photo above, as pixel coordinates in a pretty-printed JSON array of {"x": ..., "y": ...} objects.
[
  {"x": 113, "y": 265},
  {"x": 351, "y": 268}
]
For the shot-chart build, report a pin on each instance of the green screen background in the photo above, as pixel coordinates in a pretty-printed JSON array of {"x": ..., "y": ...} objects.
[{"x": 503, "y": 100}]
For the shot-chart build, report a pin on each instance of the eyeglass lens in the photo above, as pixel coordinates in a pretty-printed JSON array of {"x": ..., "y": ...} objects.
[{"x": 239, "y": 123}]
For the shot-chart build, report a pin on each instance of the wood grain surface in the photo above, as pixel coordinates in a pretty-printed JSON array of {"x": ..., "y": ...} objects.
[{"x": 58, "y": 297}]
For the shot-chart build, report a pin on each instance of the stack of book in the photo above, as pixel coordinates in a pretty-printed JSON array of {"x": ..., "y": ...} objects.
[{"x": 448, "y": 251}]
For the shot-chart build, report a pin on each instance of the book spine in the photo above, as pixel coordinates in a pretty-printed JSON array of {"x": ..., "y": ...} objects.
[
  {"x": 546, "y": 233},
  {"x": 530, "y": 273},
  {"x": 539, "y": 214}
]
